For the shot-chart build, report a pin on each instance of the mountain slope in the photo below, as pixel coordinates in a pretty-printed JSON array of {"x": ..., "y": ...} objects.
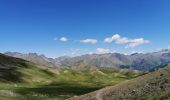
[
  {"x": 9, "y": 66},
  {"x": 18, "y": 70},
  {"x": 152, "y": 86},
  {"x": 33, "y": 57}
]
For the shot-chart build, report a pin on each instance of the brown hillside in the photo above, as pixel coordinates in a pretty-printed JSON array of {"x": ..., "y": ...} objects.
[{"x": 152, "y": 86}]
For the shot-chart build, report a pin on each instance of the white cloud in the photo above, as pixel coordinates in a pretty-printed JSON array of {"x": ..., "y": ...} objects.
[
  {"x": 115, "y": 37},
  {"x": 136, "y": 42},
  {"x": 63, "y": 39},
  {"x": 73, "y": 53},
  {"x": 130, "y": 43},
  {"x": 90, "y": 53},
  {"x": 169, "y": 46},
  {"x": 132, "y": 52},
  {"x": 102, "y": 50},
  {"x": 92, "y": 41}
]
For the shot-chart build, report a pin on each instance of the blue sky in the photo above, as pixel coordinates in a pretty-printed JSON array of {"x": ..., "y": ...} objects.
[{"x": 75, "y": 27}]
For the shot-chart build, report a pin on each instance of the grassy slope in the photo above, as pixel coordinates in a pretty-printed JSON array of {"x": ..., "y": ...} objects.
[
  {"x": 152, "y": 86},
  {"x": 20, "y": 80}
]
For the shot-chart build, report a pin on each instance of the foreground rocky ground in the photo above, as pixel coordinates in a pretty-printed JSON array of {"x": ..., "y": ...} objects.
[{"x": 152, "y": 86}]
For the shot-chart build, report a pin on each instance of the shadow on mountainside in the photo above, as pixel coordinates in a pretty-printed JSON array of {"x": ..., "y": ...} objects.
[{"x": 9, "y": 68}]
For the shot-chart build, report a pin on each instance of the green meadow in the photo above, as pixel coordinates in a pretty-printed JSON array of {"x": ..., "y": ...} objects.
[{"x": 41, "y": 83}]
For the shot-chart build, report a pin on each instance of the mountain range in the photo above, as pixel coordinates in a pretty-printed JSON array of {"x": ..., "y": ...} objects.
[
  {"x": 136, "y": 61},
  {"x": 24, "y": 80}
]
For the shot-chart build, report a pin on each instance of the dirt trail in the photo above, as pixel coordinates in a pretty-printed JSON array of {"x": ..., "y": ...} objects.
[{"x": 98, "y": 95}]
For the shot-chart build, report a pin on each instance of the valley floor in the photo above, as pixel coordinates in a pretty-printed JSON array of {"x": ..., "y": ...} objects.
[{"x": 60, "y": 84}]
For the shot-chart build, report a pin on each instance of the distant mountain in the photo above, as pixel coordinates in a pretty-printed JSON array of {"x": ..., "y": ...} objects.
[
  {"x": 113, "y": 60},
  {"x": 33, "y": 57},
  {"x": 151, "y": 86},
  {"x": 137, "y": 61}
]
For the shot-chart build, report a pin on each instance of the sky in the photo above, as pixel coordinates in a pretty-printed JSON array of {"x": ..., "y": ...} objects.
[{"x": 76, "y": 27}]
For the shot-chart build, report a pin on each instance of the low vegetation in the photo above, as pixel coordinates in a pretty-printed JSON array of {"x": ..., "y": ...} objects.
[
  {"x": 22, "y": 80},
  {"x": 152, "y": 86}
]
